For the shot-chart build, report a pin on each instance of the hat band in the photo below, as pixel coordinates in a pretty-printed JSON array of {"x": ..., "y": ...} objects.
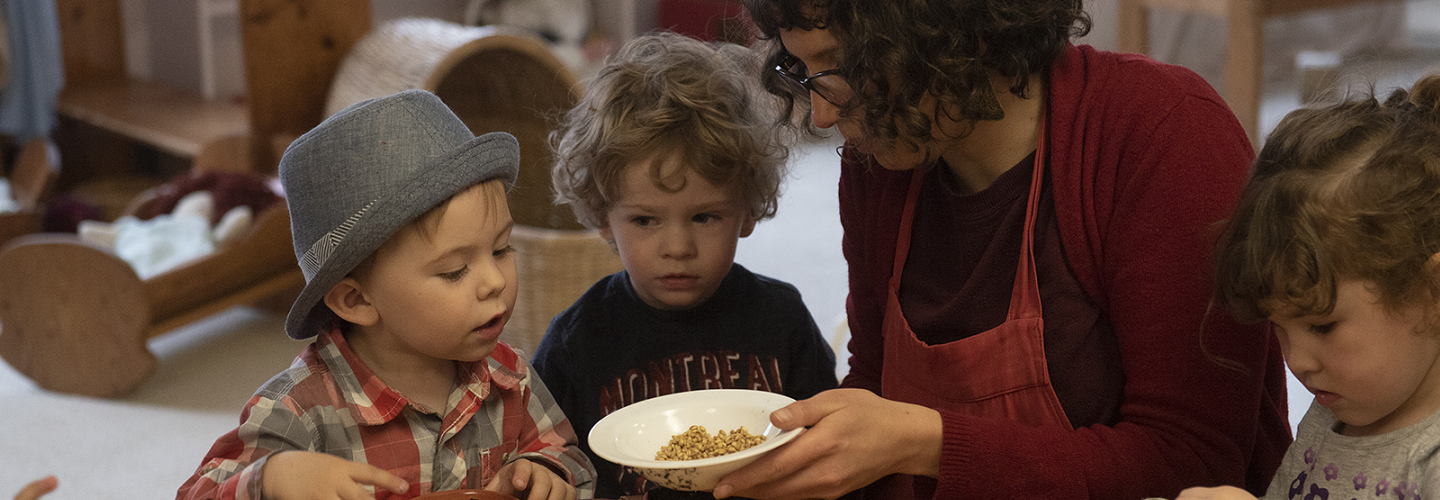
[{"x": 315, "y": 257}]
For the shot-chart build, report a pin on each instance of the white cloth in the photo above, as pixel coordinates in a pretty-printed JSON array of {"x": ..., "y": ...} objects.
[
  {"x": 164, "y": 242},
  {"x": 7, "y": 200},
  {"x": 562, "y": 22}
]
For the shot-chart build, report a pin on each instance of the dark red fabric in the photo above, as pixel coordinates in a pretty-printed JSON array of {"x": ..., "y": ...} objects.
[
  {"x": 1146, "y": 159},
  {"x": 975, "y": 239},
  {"x": 999, "y": 373},
  {"x": 708, "y": 20},
  {"x": 229, "y": 189}
]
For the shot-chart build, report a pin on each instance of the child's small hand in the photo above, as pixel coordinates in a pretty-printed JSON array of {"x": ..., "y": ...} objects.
[
  {"x": 542, "y": 483},
  {"x": 38, "y": 488},
  {"x": 1219, "y": 493},
  {"x": 303, "y": 475}
]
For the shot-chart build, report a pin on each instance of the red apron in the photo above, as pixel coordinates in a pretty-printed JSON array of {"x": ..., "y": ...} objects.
[{"x": 1000, "y": 373}]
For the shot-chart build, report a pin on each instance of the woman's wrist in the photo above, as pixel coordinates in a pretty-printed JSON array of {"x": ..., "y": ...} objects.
[{"x": 925, "y": 437}]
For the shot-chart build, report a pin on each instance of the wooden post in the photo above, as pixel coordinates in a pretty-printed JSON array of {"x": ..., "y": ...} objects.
[
  {"x": 92, "y": 38},
  {"x": 1243, "y": 64},
  {"x": 1134, "y": 27},
  {"x": 292, "y": 49}
]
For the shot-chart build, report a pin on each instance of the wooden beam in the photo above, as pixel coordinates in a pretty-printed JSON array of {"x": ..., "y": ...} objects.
[
  {"x": 292, "y": 49},
  {"x": 1283, "y": 7},
  {"x": 92, "y": 39}
]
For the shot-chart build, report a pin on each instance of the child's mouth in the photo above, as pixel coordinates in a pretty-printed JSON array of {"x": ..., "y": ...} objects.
[
  {"x": 678, "y": 281},
  {"x": 1326, "y": 399},
  {"x": 491, "y": 329}
]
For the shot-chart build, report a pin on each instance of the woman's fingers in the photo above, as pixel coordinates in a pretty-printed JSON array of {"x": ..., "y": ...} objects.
[
  {"x": 800, "y": 463},
  {"x": 854, "y": 437}
]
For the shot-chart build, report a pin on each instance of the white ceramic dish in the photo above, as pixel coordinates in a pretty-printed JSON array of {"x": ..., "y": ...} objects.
[{"x": 631, "y": 435}]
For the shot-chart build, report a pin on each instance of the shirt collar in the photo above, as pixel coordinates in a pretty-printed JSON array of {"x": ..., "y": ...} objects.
[{"x": 373, "y": 402}]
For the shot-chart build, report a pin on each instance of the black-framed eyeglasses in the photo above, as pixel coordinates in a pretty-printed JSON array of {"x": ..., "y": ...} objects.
[{"x": 829, "y": 85}]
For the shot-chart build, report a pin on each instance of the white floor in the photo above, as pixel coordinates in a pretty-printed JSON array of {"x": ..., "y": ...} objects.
[{"x": 145, "y": 445}]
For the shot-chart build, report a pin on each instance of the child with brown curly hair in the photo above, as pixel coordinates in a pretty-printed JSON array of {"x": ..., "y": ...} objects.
[{"x": 674, "y": 157}]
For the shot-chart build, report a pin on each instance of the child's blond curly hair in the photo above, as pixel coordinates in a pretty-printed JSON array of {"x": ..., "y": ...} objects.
[{"x": 667, "y": 97}]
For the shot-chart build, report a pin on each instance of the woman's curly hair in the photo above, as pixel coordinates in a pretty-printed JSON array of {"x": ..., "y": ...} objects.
[
  {"x": 667, "y": 97},
  {"x": 1350, "y": 191},
  {"x": 893, "y": 52}
]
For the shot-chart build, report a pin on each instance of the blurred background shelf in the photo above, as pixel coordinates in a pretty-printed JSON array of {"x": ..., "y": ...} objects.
[{"x": 172, "y": 120}]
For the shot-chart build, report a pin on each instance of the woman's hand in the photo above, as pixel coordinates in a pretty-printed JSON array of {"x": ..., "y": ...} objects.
[
  {"x": 522, "y": 475},
  {"x": 307, "y": 475},
  {"x": 1219, "y": 493},
  {"x": 855, "y": 438}
]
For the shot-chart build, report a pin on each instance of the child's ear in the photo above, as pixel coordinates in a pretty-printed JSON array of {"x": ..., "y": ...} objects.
[
  {"x": 748, "y": 227},
  {"x": 609, "y": 237},
  {"x": 1433, "y": 265},
  {"x": 347, "y": 299}
]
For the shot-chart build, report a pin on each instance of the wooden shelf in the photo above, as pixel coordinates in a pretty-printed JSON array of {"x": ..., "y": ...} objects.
[{"x": 175, "y": 121}]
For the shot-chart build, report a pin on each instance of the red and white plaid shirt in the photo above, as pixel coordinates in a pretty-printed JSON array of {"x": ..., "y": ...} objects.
[{"x": 329, "y": 401}]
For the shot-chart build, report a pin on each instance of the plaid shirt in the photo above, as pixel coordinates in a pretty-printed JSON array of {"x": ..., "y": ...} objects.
[{"x": 330, "y": 402}]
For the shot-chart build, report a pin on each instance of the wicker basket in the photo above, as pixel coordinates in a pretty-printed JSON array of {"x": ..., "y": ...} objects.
[
  {"x": 554, "y": 268},
  {"x": 494, "y": 78}
]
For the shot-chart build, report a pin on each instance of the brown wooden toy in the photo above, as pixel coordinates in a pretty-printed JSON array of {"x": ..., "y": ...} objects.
[
  {"x": 75, "y": 318},
  {"x": 32, "y": 180}
]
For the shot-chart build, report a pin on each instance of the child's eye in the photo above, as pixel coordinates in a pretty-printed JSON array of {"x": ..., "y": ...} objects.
[
  {"x": 455, "y": 275},
  {"x": 704, "y": 218},
  {"x": 503, "y": 251},
  {"x": 1323, "y": 328},
  {"x": 642, "y": 220}
]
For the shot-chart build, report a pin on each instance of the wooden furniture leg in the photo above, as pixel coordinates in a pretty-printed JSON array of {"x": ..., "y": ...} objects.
[
  {"x": 1244, "y": 57},
  {"x": 1134, "y": 27},
  {"x": 292, "y": 49},
  {"x": 1244, "y": 64},
  {"x": 37, "y": 167},
  {"x": 1243, "y": 52}
]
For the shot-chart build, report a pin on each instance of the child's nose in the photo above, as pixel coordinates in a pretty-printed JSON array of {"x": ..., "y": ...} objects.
[
  {"x": 679, "y": 243},
  {"x": 490, "y": 280},
  {"x": 1299, "y": 355}
]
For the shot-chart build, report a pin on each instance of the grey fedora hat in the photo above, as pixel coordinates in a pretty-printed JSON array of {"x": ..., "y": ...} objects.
[{"x": 366, "y": 171}]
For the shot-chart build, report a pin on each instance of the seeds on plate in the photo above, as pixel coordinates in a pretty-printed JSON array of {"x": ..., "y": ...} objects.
[{"x": 696, "y": 443}]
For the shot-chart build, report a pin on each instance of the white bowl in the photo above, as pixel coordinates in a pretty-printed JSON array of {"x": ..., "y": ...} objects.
[{"x": 632, "y": 435}]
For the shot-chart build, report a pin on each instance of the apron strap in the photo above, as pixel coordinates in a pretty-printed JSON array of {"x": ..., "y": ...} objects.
[
  {"x": 907, "y": 217},
  {"x": 1025, "y": 296}
]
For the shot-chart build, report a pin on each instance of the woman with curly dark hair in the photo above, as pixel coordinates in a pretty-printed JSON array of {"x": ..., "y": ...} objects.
[{"x": 991, "y": 167}]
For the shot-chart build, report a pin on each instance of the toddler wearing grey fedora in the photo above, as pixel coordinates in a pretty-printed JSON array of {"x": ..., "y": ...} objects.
[{"x": 401, "y": 227}]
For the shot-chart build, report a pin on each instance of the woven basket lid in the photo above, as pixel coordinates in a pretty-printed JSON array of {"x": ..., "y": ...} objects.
[{"x": 495, "y": 78}]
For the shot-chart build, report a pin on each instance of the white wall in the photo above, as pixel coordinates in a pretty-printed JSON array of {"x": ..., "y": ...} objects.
[
  {"x": 1198, "y": 41},
  {"x": 1105, "y": 30}
]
